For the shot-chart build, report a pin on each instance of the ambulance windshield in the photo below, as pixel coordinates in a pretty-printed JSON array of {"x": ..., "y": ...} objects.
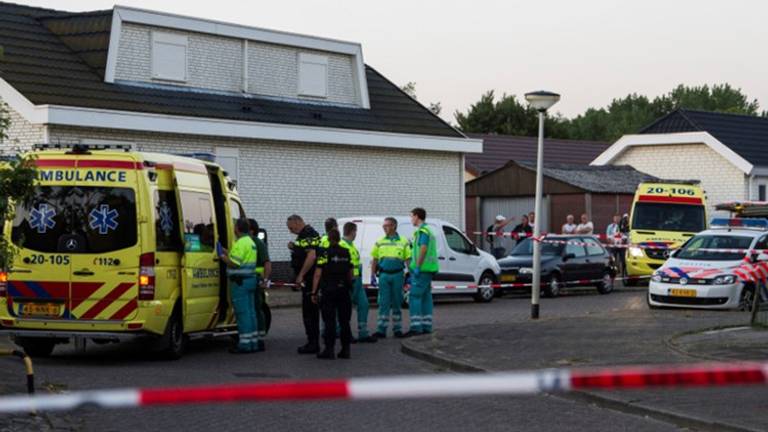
[
  {"x": 76, "y": 219},
  {"x": 668, "y": 217}
]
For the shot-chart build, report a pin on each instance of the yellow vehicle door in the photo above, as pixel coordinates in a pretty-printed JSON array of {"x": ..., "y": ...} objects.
[
  {"x": 104, "y": 238},
  {"x": 200, "y": 264},
  {"x": 39, "y": 280}
]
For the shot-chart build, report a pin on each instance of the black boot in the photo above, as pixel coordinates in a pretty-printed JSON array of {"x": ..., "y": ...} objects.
[
  {"x": 309, "y": 348},
  {"x": 344, "y": 353},
  {"x": 327, "y": 354}
]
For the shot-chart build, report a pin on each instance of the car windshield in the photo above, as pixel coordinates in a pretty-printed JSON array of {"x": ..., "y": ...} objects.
[
  {"x": 525, "y": 247},
  {"x": 668, "y": 217},
  {"x": 700, "y": 248},
  {"x": 95, "y": 219}
]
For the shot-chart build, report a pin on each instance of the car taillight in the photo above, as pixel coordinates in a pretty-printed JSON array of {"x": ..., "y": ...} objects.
[
  {"x": 3, "y": 283},
  {"x": 147, "y": 276}
]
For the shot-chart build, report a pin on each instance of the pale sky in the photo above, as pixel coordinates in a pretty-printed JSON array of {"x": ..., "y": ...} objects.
[{"x": 589, "y": 51}]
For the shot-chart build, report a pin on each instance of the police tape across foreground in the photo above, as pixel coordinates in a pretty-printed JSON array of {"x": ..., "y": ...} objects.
[{"x": 408, "y": 387}]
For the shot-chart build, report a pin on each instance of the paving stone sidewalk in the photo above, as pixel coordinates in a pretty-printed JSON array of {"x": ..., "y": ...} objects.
[{"x": 621, "y": 338}]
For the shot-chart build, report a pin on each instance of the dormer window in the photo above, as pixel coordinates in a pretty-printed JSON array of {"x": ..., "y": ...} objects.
[
  {"x": 169, "y": 56},
  {"x": 313, "y": 75}
]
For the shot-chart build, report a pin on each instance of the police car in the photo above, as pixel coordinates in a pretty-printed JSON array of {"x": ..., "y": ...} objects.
[{"x": 700, "y": 273}]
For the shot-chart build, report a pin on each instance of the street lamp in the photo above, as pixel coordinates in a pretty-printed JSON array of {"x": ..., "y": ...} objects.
[{"x": 541, "y": 101}]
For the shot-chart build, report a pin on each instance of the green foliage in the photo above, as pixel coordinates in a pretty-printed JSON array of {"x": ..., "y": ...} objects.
[
  {"x": 17, "y": 183},
  {"x": 622, "y": 116},
  {"x": 410, "y": 89}
]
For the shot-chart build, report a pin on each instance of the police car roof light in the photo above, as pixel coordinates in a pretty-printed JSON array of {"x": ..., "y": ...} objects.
[{"x": 759, "y": 224}]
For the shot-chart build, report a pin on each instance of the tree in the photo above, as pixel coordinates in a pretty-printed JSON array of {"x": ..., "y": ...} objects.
[
  {"x": 17, "y": 183},
  {"x": 410, "y": 89}
]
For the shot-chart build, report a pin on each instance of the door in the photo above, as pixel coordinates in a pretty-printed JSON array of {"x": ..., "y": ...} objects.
[
  {"x": 509, "y": 207},
  {"x": 459, "y": 261},
  {"x": 596, "y": 259},
  {"x": 200, "y": 265},
  {"x": 574, "y": 268}
]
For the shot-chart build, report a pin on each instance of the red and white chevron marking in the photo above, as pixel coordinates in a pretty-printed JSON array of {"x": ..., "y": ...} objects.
[{"x": 407, "y": 387}]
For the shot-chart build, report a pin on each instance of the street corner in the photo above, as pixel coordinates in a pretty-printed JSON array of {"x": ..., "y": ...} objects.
[
  {"x": 450, "y": 352},
  {"x": 723, "y": 343}
]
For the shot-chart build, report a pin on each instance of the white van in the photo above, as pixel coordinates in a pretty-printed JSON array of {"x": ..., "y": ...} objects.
[{"x": 461, "y": 262}]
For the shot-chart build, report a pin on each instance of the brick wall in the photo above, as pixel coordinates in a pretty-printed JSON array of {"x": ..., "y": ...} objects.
[
  {"x": 721, "y": 180},
  {"x": 317, "y": 181},
  {"x": 22, "y": 134},
  {"x": 216, "y": 62}
]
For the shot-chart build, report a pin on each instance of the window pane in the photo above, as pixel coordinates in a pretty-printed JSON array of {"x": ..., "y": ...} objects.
[
  {"x": 236, "y": 211},
  {"x": 99, "y": 219},
  {"x": 198, "y": 222},
  {"x": 593, "y": 248},
  {"x": 761, "y": 193},
  {"x": 576, "y": 250},
  {"x": 167, "y": 230}
]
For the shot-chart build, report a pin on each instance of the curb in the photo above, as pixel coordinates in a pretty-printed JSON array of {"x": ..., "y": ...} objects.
[{"x": 677, "y": 419}]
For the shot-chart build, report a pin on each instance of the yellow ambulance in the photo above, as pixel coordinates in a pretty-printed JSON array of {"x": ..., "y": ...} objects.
[
  {"x": 664, "y": 216},
  {"x": 117, "y": 245}
]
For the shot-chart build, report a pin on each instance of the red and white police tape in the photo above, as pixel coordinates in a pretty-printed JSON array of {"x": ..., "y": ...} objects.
[{"x": 407, "y": 387}]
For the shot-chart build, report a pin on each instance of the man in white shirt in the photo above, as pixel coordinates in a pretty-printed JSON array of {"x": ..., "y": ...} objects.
[
  {"x": 569, "y": 227},
  {"x": 585, "y": 227}
]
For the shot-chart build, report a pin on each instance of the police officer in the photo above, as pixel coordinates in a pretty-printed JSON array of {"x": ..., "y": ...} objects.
[
  {"x": 303, "y": 257},
  {"x": 263, "y": 273},
  {"x": 330, "y": 224},
  {"x": 241, "y": 266},
  {"x": 359, "y": 296},
  {"x": 423, "y": 267},
  {"x": 390, "y": 255},
  {"x": 334, "y": 275}
]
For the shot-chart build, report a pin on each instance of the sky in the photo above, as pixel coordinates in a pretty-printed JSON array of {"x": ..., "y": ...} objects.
[{"x": 589, "y": 51}]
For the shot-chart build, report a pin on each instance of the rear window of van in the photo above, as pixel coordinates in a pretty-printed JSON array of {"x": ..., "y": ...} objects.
[{"x": 77, "y": 219}]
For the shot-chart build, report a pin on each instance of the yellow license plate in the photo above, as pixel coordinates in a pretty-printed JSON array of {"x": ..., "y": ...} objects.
[
  {"x": 41, "y": 309},
  {"x": 682, "y": 292},
  {"x": 508, "y": 278}
]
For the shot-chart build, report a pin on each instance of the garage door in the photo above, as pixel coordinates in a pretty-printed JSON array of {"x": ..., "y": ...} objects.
[{"x": 510, "y": 207}]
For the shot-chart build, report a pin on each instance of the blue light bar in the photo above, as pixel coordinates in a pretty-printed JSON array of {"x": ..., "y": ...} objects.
[{"x": 761, "y": 224}]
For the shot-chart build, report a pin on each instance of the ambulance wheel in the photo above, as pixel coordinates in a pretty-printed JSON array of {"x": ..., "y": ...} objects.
[
  {"x": 36, "y": 347},
  {"x": 486, "y": 295},
  {"x": 174, "y": 341}
]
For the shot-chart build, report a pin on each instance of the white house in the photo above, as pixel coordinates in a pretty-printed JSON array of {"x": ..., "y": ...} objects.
[
  {"x": 727, "y": 153},
  {"x": 301, "y": 122}
]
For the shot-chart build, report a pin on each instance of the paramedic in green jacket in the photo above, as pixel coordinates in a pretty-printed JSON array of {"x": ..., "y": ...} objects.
[{"x": 423, "y": 267}]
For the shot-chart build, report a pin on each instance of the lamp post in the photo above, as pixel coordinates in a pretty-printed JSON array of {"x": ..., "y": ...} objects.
[{"x": 541, "y": 101}]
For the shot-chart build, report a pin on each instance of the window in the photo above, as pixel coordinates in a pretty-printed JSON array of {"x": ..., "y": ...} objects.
[
  {"x": 761, "y": 192},
  {"x": 456, "y": 241},
  {"x": 761, "y": 244},
  {"x": 228, "y": 158},
  {"x": 313, "y": 75},
  {"x": 199, "y": 230},
  {"x": 77, "y": 219},
  {"x": 525, "y": 247},
  {"x": 169, "y": 56},
  {"x": 668, "y": 217},
  {"x": 167, "y": 230},
  {"x": 576, "y": 250},
  {"x": 236, "y": 211},
  {"x": 691, "y": 250},
  {"x": 593, "y": 247}
]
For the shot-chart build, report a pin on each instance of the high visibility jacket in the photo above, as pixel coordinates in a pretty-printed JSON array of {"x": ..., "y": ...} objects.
[
  {"x": 430, "y": 264},
  {"x": 392, "y": 253},
  {"x": 244, "y": 255},
  {"x": 354, "y": 255}
]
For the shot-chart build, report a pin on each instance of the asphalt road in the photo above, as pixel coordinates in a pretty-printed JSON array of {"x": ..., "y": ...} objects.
[{"x": 125, "y": 365}]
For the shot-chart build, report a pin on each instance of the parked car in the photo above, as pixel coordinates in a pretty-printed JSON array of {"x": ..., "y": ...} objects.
[
  {"x": 461, "y": 262},
  {"x": 581, "y": 262},
  {"x": 700, "y": 274}
]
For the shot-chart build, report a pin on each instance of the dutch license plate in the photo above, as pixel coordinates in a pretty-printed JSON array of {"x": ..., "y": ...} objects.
[
  {"x": 682, "y": 292},
  {"x": 41, "y": 309},
  {"x": 508, "y": 278}
]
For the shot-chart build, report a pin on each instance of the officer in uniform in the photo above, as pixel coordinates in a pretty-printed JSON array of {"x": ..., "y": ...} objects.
[
  {"x": 359, "y": 297},
  {"x": 330, "y": 224},
  {"x": 390, "y": 255},
  {"x": 334, "y": 275},
  {"x": 423, "y": 267},
  {"x": 263, "y": 273},
  {"x": 303, "y": 257},
  {"x": 241, "y": 267}
]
